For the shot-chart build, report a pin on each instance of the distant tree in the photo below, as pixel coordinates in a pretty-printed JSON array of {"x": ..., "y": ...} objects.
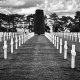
[
  {"x": 10, "y": 19},
  {"x": 77, "y": 21},
  {"x": 29, "y": 17},
  {"x": 67, "y": 22},
  {"x": 39, "y": 24},
  {"x": 77, "y": 15},
  {"x": 53, "y": 16},
  {"x": 64, "y": 19},
  {"x": 47, "y": 29},
  {"x": 14, "y": 19},
  {"x": 2, "y": 18}
]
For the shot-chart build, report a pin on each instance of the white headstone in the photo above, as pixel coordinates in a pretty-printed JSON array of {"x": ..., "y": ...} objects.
[
  {"x": 60, "y": 46},
  {"x": 5, "y": 49},
  {"x": 57, "y": 42},
  {"x": 65, "y": 50},
  {"x": 12, "y": 45},
  {"x": 73, "y": 57},
  {"x": 16, "y": 41}
]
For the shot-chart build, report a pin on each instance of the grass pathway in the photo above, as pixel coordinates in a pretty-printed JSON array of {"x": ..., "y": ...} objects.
[{"x": 37, "y": 59}]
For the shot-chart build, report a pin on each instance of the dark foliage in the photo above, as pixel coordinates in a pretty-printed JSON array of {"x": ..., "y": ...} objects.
[{"x": 39, "y": 22}]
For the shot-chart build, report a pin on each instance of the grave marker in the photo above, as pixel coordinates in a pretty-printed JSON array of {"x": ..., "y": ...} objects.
[
  {"x": 16, "y": 41},
  {"x": 12, "y": 45},
  {"x": 57, "y": 42},
  {"x": 60, "y": 46},
  {"x": 65, "y": 50},
  {"x": 5, "y": 49},
  {"x": 73, "y": 54}
]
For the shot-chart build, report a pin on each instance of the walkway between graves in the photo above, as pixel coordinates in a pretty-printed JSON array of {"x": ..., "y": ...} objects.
[{"x": 37, "y": 59}]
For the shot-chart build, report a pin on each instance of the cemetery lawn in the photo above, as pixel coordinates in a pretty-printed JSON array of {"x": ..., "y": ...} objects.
[{"x": 38, "y": 59}]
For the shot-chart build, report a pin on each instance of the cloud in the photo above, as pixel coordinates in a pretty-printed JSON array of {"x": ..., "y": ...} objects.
[
  {"x": 61, "y": 7},
  {"x": 19, "y": 6},
  {"x": 25, "y": 11},
  {"x": 20, "y": 3},
  {"x": 10, "y": 3},
  {"x": 4, "y": 10}
]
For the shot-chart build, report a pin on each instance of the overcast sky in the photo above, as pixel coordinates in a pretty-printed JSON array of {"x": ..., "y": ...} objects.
[{"x": 61, "y": 7}]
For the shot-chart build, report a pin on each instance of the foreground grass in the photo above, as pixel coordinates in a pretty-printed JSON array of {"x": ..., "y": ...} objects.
[{"x": 37, "y": 59}]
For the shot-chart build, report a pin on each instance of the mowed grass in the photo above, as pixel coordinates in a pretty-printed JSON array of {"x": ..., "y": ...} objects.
[
  {"x": 9, "y": 54},
  {"x": 77, "y": 49},
  {"x": 38, "y": 59}
]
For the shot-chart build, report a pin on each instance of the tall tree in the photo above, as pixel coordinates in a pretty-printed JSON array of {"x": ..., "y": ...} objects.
[
  {"x": 77, "y": 20},
  {"x": 53, "y": 16},
  {"x": 39, "y": 26}
]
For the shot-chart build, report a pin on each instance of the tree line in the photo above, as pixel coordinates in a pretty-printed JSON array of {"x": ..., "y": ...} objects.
[
  {"x": 66, "y": 22},
  {"x": 9, "y": 22}
]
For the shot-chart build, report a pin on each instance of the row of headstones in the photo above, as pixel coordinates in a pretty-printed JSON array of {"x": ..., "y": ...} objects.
[
  {"x": 4, "y": 35},
  {"x": 18, "y": 39},
  {"x": 58, "y": 43},
  {"x": 73, "y": 36}
]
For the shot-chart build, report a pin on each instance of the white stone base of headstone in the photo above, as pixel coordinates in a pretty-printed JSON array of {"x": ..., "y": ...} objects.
[
  {"x": 57, "y": 43},
  {"x": 16, "y": 46},
  {"x": 65, "y": 50},
  {"x": 60, "y": 46},
  {"x": 22, "y": 39},
  {"x": 12, "y": 45},
  {"x": 75, "y": 39},
  {"x": 73, "y": 62},
  {"x": 60, "y": 49},
  {"x": 53, "y": 39},
  {"x": 5, "y": 49},
  {"x": 79, "y": 40},
  {"x": 19, "y": 40},
  {"x": 5, "y": 53},
  {"x": 73, "y": 57},
  {"x": 16, "y": 42},
  {"x": 65, "y": 54}
]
